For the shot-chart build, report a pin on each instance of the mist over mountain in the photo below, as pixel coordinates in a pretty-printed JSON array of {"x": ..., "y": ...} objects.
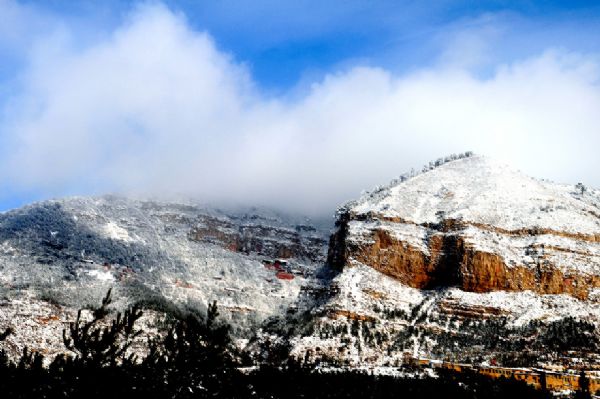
[{"x": 152, "y": 106}]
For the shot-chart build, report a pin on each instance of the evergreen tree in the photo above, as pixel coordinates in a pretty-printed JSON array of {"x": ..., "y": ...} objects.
[
  {"x": 97, "y": 345},
  {"x": 196, "y": 357}
]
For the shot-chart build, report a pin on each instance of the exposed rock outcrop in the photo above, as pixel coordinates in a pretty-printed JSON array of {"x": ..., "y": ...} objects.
[{"x": 255, "y": 234}]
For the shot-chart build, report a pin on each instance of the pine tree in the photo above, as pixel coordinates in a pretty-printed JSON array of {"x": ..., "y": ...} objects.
[
  {"x": 96, "y": 345},
  {"x": 195, "y": 358}
]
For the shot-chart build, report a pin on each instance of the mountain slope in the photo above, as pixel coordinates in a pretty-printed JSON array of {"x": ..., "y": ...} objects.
[{"x": 57, "y": 256}]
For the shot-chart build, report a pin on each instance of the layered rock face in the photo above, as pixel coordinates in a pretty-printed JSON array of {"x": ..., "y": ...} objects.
[
  {"x": 252, "y": 233},
  {"x": 478, "y": 225}
]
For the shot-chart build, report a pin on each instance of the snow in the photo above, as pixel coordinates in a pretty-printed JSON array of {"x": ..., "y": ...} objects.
[
  {"x": 410, "y": 234},
  {"x": 101, "y": 275},
  {"x": 522, "y": 306},
  {"x": 569, "y": 254},
  {"x": 74, "y": 249},
  {"x": 38, "y": 325},
  {"x": 424, "y": 312},
  {"x": 153, "y": 240},
  {"x": 478, "y": 189},
  {"x": 525, "y": 306},
  {"x": 116, "y": 232}
]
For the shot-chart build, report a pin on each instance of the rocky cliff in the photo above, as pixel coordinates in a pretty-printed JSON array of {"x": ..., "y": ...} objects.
[
  {"x": 469, "y": 260},
  {"x": 477, "y": 225},
  {"x": 258, "y": 234}
]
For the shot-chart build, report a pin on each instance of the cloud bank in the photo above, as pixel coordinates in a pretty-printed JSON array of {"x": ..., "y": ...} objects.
[{"x": 156, "y": 108}]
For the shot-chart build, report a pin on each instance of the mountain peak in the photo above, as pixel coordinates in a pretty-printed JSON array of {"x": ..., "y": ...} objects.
[{"x": 479, "y": 189}]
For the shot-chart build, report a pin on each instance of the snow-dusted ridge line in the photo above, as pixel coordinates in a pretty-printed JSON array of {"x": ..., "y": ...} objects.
[
  {"x": 381, "y": 190},
  {"x": 479, "y": 190}
]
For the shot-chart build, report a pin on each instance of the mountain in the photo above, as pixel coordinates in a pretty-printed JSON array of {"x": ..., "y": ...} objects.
[
  {"x": 470, "y": 259},
  {"x": 478, "y": 225},
  {"x": 57, "y": 256}
]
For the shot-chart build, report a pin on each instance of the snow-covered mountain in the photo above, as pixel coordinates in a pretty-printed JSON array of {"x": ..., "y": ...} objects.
[
  {"x": 479, "y": 225},
  {"x": 57, "y": 256},
  {"x": 468, "y": 259}
]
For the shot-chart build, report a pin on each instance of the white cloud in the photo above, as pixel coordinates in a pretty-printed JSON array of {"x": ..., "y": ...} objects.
[{"x": 157, "y": 109}]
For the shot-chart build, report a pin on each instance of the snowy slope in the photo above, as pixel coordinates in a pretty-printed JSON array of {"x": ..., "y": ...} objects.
[
  {"x": 71, "y": 251},
  {"x": 479, "y": 189}
]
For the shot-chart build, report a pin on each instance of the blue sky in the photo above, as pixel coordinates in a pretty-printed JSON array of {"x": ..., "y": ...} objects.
[
  {"x": 340, "y": 95},
  {"x": 285, "y": 42}
]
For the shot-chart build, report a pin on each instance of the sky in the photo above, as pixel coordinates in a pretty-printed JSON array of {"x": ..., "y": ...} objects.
[{"x": 296, "y": 105}]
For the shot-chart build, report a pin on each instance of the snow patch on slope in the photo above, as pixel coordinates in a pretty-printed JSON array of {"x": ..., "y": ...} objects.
[
  {"x": 101, "y": 275},
  {"x": 116, "y": 232}
]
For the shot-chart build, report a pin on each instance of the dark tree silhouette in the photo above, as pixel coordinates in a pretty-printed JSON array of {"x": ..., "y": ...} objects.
[
  {"x": 196, "y": 357},
  {"x": 584, "y": 387},
  {"x": 95, "y": 344}
]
